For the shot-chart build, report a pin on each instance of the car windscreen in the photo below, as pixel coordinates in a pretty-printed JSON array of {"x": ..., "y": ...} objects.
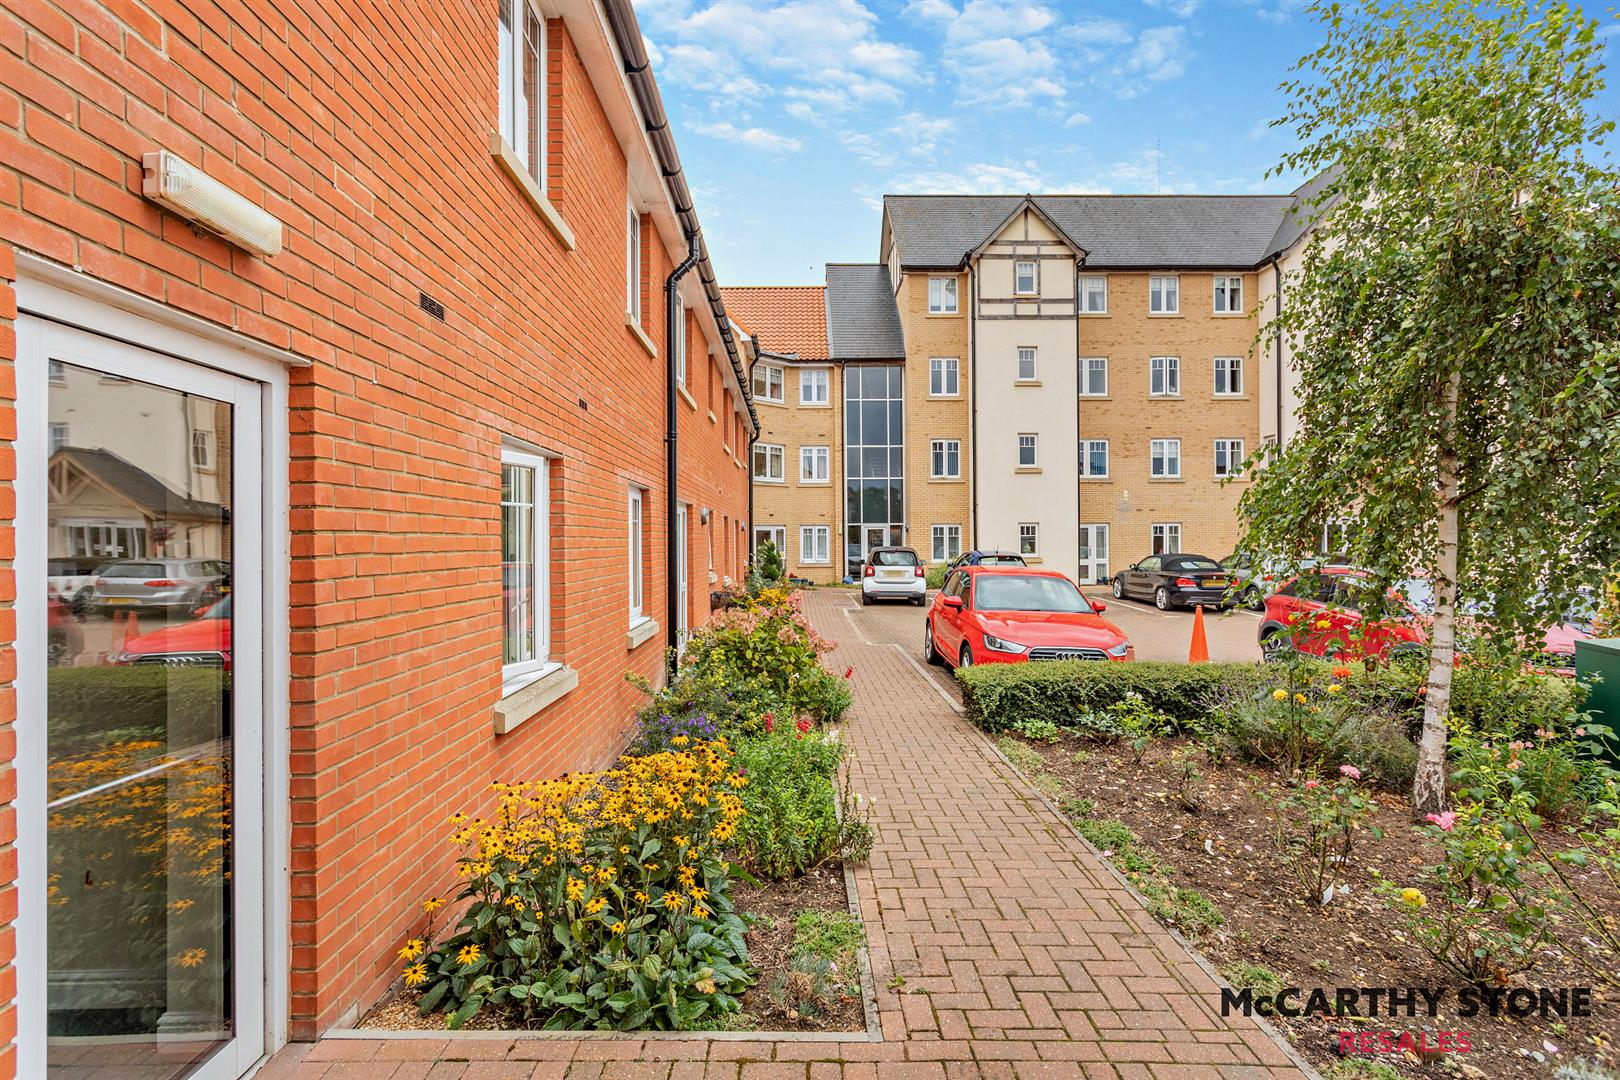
[
  {"x": 995, "y": 592},
  {"x": 894, "y": 558},
  {"x": 1191, "y": 562},
  {"x": 133, "y": 569},
  {"x": 221, "y": 610},
  {"x": 1001, "y": 560}
]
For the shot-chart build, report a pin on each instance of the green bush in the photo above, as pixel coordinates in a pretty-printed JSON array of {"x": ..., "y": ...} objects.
[
  {"x": 795, "y": 815},
  {"x": 1066, "y": 692},
  {"x": 93, "y": 707},
  {"x": 936, "y": 575},
  {"x": 769, "y": 649}
]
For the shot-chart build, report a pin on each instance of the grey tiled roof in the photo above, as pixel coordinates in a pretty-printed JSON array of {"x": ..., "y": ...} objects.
[
  {"x": 137, "y": 485},
  {"x": 863, "y": 322},
  {"x": 1116, "y": 230},
  {"x": 1298, "y": 218}
]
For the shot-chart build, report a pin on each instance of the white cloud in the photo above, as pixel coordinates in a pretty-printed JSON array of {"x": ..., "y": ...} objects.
[
  {"x": 982, "y": 178},
  {"x": 755, "y": 138},
  {"x": 1089, "y": 33},
  {"x": 1160, "y": 54},
  {"x": 981, "y": 20},
  {"x": 1004, "y": 72},
  {"x": 868, "y": 148},
  {"x": 1181, "y": 9},
  {"x": 1078, "y": 119},
  {"x": 932, "y": 10}
]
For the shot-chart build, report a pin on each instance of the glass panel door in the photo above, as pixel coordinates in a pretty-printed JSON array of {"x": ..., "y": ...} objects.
[
  {"x": 153, "y": 919},
  {"x": 1093, "y": 554}
]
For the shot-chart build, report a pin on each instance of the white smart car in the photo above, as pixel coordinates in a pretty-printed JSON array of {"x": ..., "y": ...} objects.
[{"x": 893, "y": 573}]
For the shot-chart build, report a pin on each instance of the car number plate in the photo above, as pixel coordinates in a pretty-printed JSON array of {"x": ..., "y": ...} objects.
[
  {"x": 891, "y": 574},
  {"x": 122, "y": 600},
  {"x": 1214, "y": 583}
]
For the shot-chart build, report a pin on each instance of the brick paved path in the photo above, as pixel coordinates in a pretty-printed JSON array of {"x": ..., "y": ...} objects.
[{"x": 1022, "y": 956}]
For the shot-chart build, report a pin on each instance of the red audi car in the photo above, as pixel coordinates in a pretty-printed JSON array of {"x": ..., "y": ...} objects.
[
  {"x": 202, "y": 642},
  {"x": 1012, "y": 614}
]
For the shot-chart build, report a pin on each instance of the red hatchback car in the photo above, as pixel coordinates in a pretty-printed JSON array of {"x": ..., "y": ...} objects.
[
  {"x": 1333, "y": 595},
  {"x": 203, "y": 642},
  {"x": 1012, "y": 614}
]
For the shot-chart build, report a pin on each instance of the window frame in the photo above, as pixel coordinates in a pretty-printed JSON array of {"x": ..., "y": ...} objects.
[
  {"x": 529, "y": 149},
  {"x": 632, "y": 262},
  {"x": 1085, "y": 294},
  {"x": 1154, "y": 455},
  {"x": 1034, "y": 277},
  {"x": 1234, "y": 365},
  {"x": 942, "y": 535},
  {"x": 941, "y": 365},
  {"x": 1170, "y": 366},
  {"x": 1164, "y": 530},
  {"x": 1175, "y": 288},
  {"x": 1083, "y": 373},
  {"x": 1222, "y": 285},
  {"x": 810, "y": 454},
  {"x": 1034, "y": 450},
  {"x": 1085, "y": 448},
  {"x": 636, "y": 536},
  {"x": 680, "y": 348},
  {"x": 765, "y": 448},
  {"x": 1034, "y": 529},
  {"x": 1235, "y": 458},
  {"x": 518, "y": 673},
  {"x": 826, "y": 545},
  {"x": 1034, "y": 354},
  {"x": 940, "y": 450},
  {"x": 826, "y": 387},
  {"x": 955, "y": 290},
  {"x": 781, "y": 382}
]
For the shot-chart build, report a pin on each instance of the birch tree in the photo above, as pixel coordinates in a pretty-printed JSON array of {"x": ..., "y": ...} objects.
[{"x": 1455, "y": 321}]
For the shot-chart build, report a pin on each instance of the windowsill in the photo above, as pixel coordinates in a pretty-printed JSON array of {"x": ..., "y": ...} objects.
[
  {"x": 526, "y": 696},
  {"x": 509, "y": 163},
  {"x": 641, "y": 335},
  {"x": 766, "y": 480},
  {"x": 1165, "y": 397},
  {"x": 1033, "y": 560},
  {"x": 815, "y": 405},
  {"x": 770, "y": 401},
  {"x": 1096, "y": 397},
  {"x": 944, "y": 479},
  {"x": 944, "y": 314},
  {"x": 814, "y": 483},
  {"x": 641, "y": 631},
  {"x": 1094, "y": 314},
  {"x": 1026, "y": 296},
  {"x": 1167, "y": 479},
  {"x": 944, "y": 397},
  {"x": 1230, "y": 314},
  {"x": 713, "y": 419},
  {"x": 1231, "y": 397},
  {"x": 1164, "y": 314},
  {"x": 690, "y": 400},
  {"x": 1026, "y": 382},
  {"x": 1027, "y": 469},
  {"x": 1095, "y": 479}
]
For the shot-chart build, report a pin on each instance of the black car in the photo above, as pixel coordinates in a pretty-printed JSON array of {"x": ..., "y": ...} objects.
[
  {"x": 1175, "y": 581},
  {"x": 988, "y": 558}
]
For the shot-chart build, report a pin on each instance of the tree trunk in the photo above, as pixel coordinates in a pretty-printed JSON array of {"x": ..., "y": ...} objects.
[{"x": 1429, "y": 787}]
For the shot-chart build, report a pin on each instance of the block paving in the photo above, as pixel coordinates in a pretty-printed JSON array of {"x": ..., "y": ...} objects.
[{"x": 1001, "y": 946}]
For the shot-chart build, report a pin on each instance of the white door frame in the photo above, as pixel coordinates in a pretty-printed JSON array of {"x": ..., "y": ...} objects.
[
  {"x": 57, "y": 305},
  {"x": 1088, "y": 567},
  {"x": 683, "y": 572}
]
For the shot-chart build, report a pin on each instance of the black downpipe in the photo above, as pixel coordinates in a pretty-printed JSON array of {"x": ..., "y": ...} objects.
[
  {"x": 973, "y": 403},
  {"x": 673, "y": 313}
]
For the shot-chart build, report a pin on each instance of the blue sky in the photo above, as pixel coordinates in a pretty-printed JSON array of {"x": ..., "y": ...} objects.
[{"x": 794, "y": 117}]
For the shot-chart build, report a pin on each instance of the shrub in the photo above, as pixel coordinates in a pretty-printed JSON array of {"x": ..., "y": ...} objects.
[
  {"x": 1547, "y": 767},
  {"x": 1317, "y": 830},
  {"x": 1291, "y": 735},
  {"x": 598, "y": 900},
  {"x": 702, "y": 696},
  {"x": 796, "y": 813},
  {"x": 771, "y": 648},
  {"x": 1066, "y": 692},
  {"x": 1043, "y": 731},
  {"x": 936, "y": 575}
]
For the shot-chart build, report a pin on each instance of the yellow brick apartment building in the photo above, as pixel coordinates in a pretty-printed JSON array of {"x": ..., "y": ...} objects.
[{"x": 1077, "y": 378}]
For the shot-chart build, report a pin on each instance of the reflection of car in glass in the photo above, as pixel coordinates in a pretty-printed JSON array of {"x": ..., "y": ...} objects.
[
  {"x": 1174, "y": 580},
  {"x": 170, "y": 584},
  {"x": 203, "y": 642},
  {"x": 988, "y": 558},
  {"x": 72, "y": 580},
  {"x": 63, "y": 638},
  {"x": 893, "y": 573},
  {"x": 1009, "y": 615}
]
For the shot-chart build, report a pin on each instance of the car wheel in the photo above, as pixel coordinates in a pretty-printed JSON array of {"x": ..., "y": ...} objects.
[
  {"x": 1119, "y": 588},
  {"x": 80, "y": 604},
  {"x": 930, "y": 653},
  {"x": 965, "y": 659},
  {"x": 921, "y": 601},
  {"x": 865, "y": 600},
  {"x": 1253, "y": 599},
  {"x": 1161, "y": 598},
  {"x": 1274, "y": 643}
]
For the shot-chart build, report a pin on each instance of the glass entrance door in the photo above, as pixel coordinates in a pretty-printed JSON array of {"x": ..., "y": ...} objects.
[
  {"x": 153, "y": 912},
  {"x": 1093, "y": 554}
]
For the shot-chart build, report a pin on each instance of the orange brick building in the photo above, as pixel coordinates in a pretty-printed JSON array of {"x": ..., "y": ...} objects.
[{"x": 313, "y": 532}]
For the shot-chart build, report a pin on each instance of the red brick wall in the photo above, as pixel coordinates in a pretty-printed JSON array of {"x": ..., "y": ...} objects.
[{"x": 365, "y": 128}]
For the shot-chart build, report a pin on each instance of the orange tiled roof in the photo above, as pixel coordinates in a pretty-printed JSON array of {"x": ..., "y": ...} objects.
[{"x": 788, "y": 319}]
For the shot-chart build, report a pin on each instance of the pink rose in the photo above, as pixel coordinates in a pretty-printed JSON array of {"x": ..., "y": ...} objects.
[
  {"x": 1351, "y": 771},
  {"x": 1313, "y": 783},
  {"x": 1445, "y": 820}
]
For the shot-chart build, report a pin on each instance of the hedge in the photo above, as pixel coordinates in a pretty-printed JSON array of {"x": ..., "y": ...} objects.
[
  {"x": 94, "y": 706},
  {"x": 999, "y": 695}
]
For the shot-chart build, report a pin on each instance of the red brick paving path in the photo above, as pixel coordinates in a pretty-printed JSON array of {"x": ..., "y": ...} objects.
[{"x": 1023, "y": 957}]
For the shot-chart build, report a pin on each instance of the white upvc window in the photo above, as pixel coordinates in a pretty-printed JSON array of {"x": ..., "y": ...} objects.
[
  {"x": 1164, "y": 376},
  {"x": 1166, "y": 459},
  {"x": 768, "y": 383},
  {"x": 1167, "y": 538},
  {"x": 944, "y": 376},
  {"x": 637, "y": 540},
  {"x": 1093, "y": 376},
  {"x": 1228, "y": 457},
  {"x": 814, "y": 465},
  {"x": 775, "y": 535},
  {"x": 814, "y": 386},
  {"x": 202, "y": 448},
  {"x": 1094, "y": 458},
  {"x": 1025, "y": 280},
  {"x": 680, "y": 346},
  {"x": 1029, "y": 538},
  {"x": 632, "y": 263},
  {"x": 1026, "y": 451},
  {"x": 525, "y": 563},
  {"x": 521, "y": 68},
  {"x": 1164, "y": 294},
  {"x": 1026, "y": 364},
  {"x": 945, "y": 459},
  {"x": 1093, "y": 294},
  {"x": 815, "y": 544},
  {"x": 947, "y": 542},
  {"x": 1228, "y": 295},
  {"x": 58, "y": 372},
  {"x": 1228, "y": 376},
  {"x": 58, "y": 435},
  {"x": 768, "y": 463},
  {"x": 942, "y": 296}
]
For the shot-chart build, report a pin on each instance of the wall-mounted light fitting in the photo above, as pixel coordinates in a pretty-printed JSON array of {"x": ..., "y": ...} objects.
[{"x": 198, "y": 197}]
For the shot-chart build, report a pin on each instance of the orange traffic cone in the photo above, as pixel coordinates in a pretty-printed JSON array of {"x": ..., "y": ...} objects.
[
  {"x": 132, "y": 629},
  {"x": 1199, "y": 653},
  {"x": 118, "y": 633}
]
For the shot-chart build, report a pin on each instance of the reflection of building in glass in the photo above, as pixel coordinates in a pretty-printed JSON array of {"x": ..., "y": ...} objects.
[
  {"x": 874, "y": 459},
  {"x": 134, "y": 469}
]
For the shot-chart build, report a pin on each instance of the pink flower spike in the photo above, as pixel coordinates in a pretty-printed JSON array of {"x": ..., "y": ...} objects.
[
  {"x": 1313, "y": 783},
  {"x": 1351, "y": 771},
  {"x": 1445, "y": 820}
]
